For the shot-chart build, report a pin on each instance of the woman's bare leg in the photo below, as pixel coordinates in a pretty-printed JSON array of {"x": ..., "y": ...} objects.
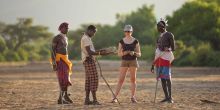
[
  {"x": 133, "y": 71},
  {"x": 123, "y": 71}
]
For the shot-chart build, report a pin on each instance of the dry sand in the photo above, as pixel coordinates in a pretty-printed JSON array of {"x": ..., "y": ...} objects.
[{"x": 34, "y": 86}]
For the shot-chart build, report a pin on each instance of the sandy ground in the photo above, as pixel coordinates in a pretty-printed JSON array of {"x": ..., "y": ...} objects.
[{"x": 34, "y": 86}]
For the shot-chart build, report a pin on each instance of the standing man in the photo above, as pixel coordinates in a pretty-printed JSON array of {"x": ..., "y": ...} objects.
[
  {"x": 61, "y": 63},
  {"x": 163, "y": 59},
  {"x": 91, "y": 75}
]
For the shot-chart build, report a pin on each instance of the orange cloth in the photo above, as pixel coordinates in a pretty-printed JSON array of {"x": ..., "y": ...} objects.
[{"x": 65, "y": 59}]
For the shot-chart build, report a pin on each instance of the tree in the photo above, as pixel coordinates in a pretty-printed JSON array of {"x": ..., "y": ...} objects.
[
  {"x": 2, "y": 41},
  {"x": 197, "y": 22},
  {"x": 74, "y": 42},
  {"x": 15, "y": 35},
  {"x": 24, "y": 41},
  {"x": 211, "y": 1},
  {"x": 2, "y": 26},
  {"x": 196, "y": 26},
  {"x": 2, "y": 45},
  {"x": 143, "y": 21}
]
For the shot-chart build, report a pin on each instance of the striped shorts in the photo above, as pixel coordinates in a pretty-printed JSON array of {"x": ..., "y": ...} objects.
[{"x": 91, "y": 81}]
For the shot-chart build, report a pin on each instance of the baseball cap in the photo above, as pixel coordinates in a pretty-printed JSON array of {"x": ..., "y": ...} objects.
[{"x": 128, "y": 28}]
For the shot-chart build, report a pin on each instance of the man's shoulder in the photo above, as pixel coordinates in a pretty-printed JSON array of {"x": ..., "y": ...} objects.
[
  {"x": 85, "y": 37},
  {"x": 58, "y": 35},
  {"x": 169, "y": 34},
  {"x": 56, "y": 38},
  {"x": 85, "y": 40}
]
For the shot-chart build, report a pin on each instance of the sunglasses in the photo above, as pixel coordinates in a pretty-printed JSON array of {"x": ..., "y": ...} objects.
[
  {"x": 127, "y": 31},
  {"x": 94, "y": 30}
]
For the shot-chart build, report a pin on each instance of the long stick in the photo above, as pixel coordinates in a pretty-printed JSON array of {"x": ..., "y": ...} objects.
[
  {"x": 155, "y": 96},
  {"x": 107, "y": 82},
  {"x": 157, "y": 75}
]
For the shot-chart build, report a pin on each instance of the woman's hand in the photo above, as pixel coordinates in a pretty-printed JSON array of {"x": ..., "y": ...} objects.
[
  {"x": 126, "y": 52},
  {"x": 132, "y": 53},
  {"x": 103, "y": 52}
]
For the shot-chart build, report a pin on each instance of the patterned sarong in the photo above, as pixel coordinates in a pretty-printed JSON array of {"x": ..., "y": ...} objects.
[
  {"x": 91, "y": 81},
  {"x": 63, "y": 74}
]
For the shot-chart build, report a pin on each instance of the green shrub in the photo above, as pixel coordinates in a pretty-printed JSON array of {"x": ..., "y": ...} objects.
[
  {"x": 147, "y": 52},
  {"x": 2, "y": 58},
  {"x": 11, "y": 56}
]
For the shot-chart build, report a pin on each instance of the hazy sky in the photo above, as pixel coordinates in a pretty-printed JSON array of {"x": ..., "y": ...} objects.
[{"x": 52, "y": 12}]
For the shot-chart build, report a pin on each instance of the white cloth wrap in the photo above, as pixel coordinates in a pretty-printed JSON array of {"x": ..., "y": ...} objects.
[{"x": 166, "y": 55}]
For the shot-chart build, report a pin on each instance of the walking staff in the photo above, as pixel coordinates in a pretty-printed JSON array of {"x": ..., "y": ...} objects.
[
  {"x": 157, "y": 75},
  {"x": 109, "y": 87}
]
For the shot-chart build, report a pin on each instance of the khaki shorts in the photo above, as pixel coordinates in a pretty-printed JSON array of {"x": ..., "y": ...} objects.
[{"x": 129, "y": 63}]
